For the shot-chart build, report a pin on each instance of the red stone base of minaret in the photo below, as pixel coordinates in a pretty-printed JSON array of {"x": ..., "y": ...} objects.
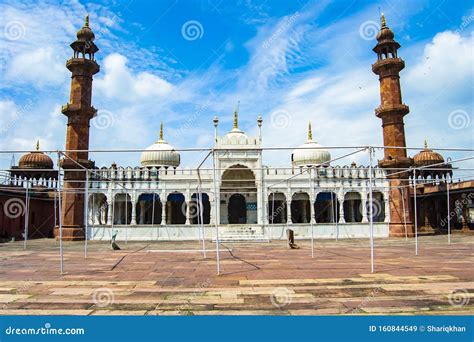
[
  {"x": 70, "y": 233},
  {"x": 400, "y": 210}
]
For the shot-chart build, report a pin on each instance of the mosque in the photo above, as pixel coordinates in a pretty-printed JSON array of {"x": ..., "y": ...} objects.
[{"x": 245, "y": 199}]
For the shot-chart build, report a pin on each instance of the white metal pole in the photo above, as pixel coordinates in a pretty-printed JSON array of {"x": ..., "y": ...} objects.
[
  {"x": 152, "y": 215},
  {"x": 55, "y": 213},
  {"x": 334, "y": 210},
  {"x": 126, "y": 218},
  {"x": 311, "y": 209},
  {"x": 415, "y": 212},
  {"x": 371, "y": 219},
  {"x": 449, "y": 214},
  {"x": 58, "y": 185},
  {"x": 27, "y": 214},
  {"x": 404, "y": 214},
  {"x": 201, "y": 219},
  {"x": 113, "y": 217},
  {"x": 273, "y": 213},
  {"x": 339, "y": 210},
  {"x": 86, "y": 210},
  {"x": 216, "y": 202}
]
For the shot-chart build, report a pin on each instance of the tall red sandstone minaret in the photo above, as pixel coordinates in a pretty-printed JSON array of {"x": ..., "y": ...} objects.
[
  {"x": 391, "y": 111},
  {"x": 79, "y": 111}
]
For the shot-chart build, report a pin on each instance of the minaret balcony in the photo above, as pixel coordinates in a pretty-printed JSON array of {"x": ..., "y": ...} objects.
[
  {"x": 397, "y": 109},
  {"x": 383, "y": 66},
  {"x": 70, "y": 109},
  {"x": 82, "y": 66}
]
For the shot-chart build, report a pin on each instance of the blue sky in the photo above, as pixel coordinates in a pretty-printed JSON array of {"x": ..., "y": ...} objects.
[{"x": 184, "y": 62}]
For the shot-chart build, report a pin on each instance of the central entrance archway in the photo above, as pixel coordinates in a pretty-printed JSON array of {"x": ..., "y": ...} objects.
[
  {"x": 238, "y": 196},
  {"x": 237, "y": 209}
]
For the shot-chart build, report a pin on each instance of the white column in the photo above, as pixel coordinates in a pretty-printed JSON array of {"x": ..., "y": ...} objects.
[
  {"x": 212, "y": 202},
  {"x": 364, "y": 206},
  {"x": 110, "y": 203},
  {"x": 259, "y": 203},
  {"x": 288, "y": 214},
  {"x": 312, "y": 202},
  {"x": 187, "y": 201},
  {"x": 134, "y": 210},
  {"x": 340, "y": 198},
  {"x": 163, "y": 208}
]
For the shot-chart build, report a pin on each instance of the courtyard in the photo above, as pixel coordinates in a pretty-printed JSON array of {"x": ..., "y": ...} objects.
[{"x": 173, "y": 278}]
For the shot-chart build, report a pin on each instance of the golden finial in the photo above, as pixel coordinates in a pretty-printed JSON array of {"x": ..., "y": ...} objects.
[
  {"x": 236, "y": 122},
  {"x": 161, "y": 131},
  {"x": 382, "y": 19},
  {"x": 37, "y": 145},
  {"x": 87, "y": 21},
  {"x": 426, "y": 143},
  {"x": 310, "y": 132}
]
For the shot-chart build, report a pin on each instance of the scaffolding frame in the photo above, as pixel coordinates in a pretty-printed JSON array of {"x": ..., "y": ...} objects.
[{"x": 216, "y": 196}]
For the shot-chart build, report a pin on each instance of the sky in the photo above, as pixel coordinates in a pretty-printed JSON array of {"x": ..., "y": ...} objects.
[{"x": 184, "y": 62}]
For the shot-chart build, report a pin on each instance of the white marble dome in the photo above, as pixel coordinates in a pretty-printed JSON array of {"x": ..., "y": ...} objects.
[
  {"x": 160, "y": 154},
  {"x": 310, "y": 153}
]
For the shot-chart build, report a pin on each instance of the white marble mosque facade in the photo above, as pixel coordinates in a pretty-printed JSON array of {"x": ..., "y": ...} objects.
[{"x": 253, "y": 201}]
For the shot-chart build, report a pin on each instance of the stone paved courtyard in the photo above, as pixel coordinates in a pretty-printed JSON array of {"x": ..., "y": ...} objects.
[{"x": 152, "y": 278}]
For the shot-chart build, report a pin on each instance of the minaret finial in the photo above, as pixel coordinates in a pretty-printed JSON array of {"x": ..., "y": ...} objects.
[
  {"x": 87, "y": 21},
  {"x": 161, "y": 131},
  {"x": 382, "y": 19},
  {"x": 37, "y": 145},
  {"x": 236, "y": 119},
  {"x": 310, "y": 132},
  {"x": 426, "y": 143}
]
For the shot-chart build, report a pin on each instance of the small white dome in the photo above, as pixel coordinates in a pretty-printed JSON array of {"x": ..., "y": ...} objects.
[
  {"x": 237, "y": 137},
  {"x": 310, "y": 153},
  {"x": 160, "y": 154}
]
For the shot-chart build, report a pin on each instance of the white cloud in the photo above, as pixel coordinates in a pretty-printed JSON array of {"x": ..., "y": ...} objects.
[
  {"x": 39, "y": 67},
  {"x": 446, "y": 61},
  {"x": 121, "y": 83}
]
